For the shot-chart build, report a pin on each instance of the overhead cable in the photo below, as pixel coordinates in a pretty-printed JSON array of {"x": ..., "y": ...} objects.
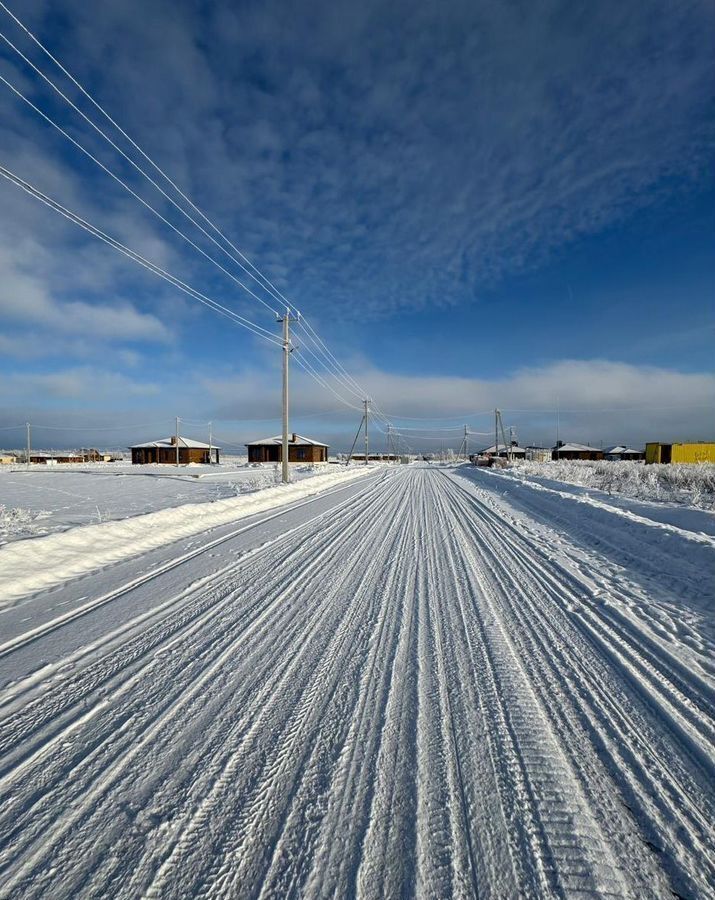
[{"x": 136, "y": 257}]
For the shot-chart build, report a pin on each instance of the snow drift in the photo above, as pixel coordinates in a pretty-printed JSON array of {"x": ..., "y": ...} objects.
[{"x": 37, "y": 564}]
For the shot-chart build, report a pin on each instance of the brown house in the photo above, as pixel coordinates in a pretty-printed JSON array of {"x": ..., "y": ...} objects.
[
  {"x": 164, "y": 451},
  {"x": 576, "y": 451},
  {"x": 300, "y": 450}
]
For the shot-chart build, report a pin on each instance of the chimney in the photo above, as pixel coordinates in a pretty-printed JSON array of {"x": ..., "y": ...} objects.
[
  {"x": 293, "y": 438},
  {"x": 173, "y": 440}
]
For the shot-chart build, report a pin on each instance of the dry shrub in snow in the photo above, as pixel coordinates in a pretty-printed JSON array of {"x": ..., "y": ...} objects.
[{"x": 690, "y": 484}]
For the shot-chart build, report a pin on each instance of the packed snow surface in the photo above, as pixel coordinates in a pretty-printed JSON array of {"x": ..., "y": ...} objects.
[{"x": 424, "y": 682}]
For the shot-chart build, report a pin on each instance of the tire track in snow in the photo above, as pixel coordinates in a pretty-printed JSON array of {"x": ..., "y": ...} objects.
[
  {"x": 311, "y": 689},
  {"x": 659, "y": 783},
  {"x": 409, "y": 697},
  {"x": 169, "y": 709}
]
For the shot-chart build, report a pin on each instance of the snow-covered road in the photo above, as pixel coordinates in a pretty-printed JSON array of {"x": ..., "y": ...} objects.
[{"x": 410, "y": 687}]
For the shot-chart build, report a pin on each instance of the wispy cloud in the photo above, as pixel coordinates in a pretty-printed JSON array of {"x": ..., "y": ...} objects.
[{"x": 405, "y": 156}]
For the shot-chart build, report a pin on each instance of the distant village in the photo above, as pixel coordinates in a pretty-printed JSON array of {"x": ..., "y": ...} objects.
[{"x": 178, "y": 450}]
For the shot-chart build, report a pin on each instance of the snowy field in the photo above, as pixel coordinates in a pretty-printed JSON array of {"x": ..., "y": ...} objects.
[
  {"x": 417, "y": 681},
  {"x": 687, "y": 485},
  {"x": 42, "y": 500}
]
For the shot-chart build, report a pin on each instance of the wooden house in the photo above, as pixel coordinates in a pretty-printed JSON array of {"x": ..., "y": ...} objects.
[
  {"x": 515, "y": 451},
  {"x": 576, "y": 451},
  {"x": 300, "y": 450},
  {"x": 620, "y": 452},
  {"x": 164, "y": 451}
]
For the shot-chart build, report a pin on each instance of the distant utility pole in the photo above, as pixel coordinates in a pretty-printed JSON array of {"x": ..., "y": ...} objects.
[
  {"x": 286, "y": 355},
  {"x": 558, "y": 417},
  {"x": 28, "y": 444},
  {"x": 177, "y": 440},
  {"x": 210, "y": 440},
  {"x": 466, "y": 443},
  {"x": 367, "y": 414},
  {"x": 496, "y": 432},
  {"x": 389, "y": 443}
]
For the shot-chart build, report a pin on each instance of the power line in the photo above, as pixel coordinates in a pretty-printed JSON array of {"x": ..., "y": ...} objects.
[
  {"x": 267, "y": 284},
  {"x": 126, "y": 187},
  {"x": 338, "y": 371},
  {"x": 306, "y": 366},
  {"x": 136, "y": 257},
  {"x": 129, "y": 160}
]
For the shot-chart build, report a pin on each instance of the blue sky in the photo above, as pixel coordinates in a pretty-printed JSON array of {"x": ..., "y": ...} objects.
[{"x": 475, "y": 203}]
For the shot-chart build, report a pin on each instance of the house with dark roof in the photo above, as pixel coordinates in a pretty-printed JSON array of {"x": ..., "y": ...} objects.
[
  {"x": 164, "y": 451},
  {"x": 300, "y": 450}
]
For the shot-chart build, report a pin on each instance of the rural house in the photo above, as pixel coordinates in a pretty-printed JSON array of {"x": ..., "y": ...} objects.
[
  {"x": 576, "y": 451},
  {"x": 514, "y": 450},
  {"x": 300, "y": 450},
  {"x": 621, "y": 452},
  {"x": 164, "y": 451}
]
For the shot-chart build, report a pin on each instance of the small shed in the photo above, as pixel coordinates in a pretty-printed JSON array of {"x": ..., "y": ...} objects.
[
  {"x": 164, "y": 451},
  {"x": 94, "y": 455},
  {"x": 621, "y": 452},
  {"x": 687, "y": 452},
  {"x": 576, "y": 451},
  {"x": 300, "y": 450},
  {"x": 538, "y": 454},
  {"x": 7, "y": 459}
]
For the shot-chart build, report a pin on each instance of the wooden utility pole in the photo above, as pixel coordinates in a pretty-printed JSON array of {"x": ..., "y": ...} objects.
[
  {"x": 367, "y": 412},
  {"x": 496, "y": 432},
  {"x": 285, "y": 478},
  {"x": 177, "y": 441},
  {"x": 28, "y": 444}
]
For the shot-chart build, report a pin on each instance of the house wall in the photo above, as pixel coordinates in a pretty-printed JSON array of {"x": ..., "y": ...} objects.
[
  {"x": 297, "y": 453},
  {"x": 167, "y": 455},
  {"x": 693, "y": 453},
  {"x": 680, "y": 453},
  {"x": 653, "y": 453},
  {"x": 577, "y": 454}
]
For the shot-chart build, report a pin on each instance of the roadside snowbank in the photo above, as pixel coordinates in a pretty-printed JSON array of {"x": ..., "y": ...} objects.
[
  {"x": 44, "y": 500},
  {"x": 37, "y": 564},
  {"x": 691, "y": 485}
]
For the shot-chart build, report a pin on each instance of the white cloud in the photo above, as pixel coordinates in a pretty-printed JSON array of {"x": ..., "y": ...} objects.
[
  {"x": 599, "y": 400},
  {"x": 26, "y": 298}
]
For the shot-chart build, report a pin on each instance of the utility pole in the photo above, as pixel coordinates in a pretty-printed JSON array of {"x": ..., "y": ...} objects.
[
  {"x": 210, "y": 440},
  {"x": 367, "y": 413},
  {"x": 558, "y": 416},
  {"x": 28, "y": 444},
  {"x": 466, "y": 443},
  {"x": 357, "y": 435},
  {"x": 496, "y": 432},
  {"x": 389, "y": 443},
  {"x": 286, "y": 353},
  {"x": 177, "y": 441}
]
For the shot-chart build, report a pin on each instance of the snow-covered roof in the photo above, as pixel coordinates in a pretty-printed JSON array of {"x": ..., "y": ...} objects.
[
  {"x": 183, "y": 442},
  {"x": 295, "y": 439},
  {"x": 621, "y": 451},
  {"x": 514, "y": 448},
  {"x": 576, "y": 448}
]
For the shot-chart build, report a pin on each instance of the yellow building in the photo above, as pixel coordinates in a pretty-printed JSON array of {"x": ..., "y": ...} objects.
[{"x": 693, "y": 452}]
